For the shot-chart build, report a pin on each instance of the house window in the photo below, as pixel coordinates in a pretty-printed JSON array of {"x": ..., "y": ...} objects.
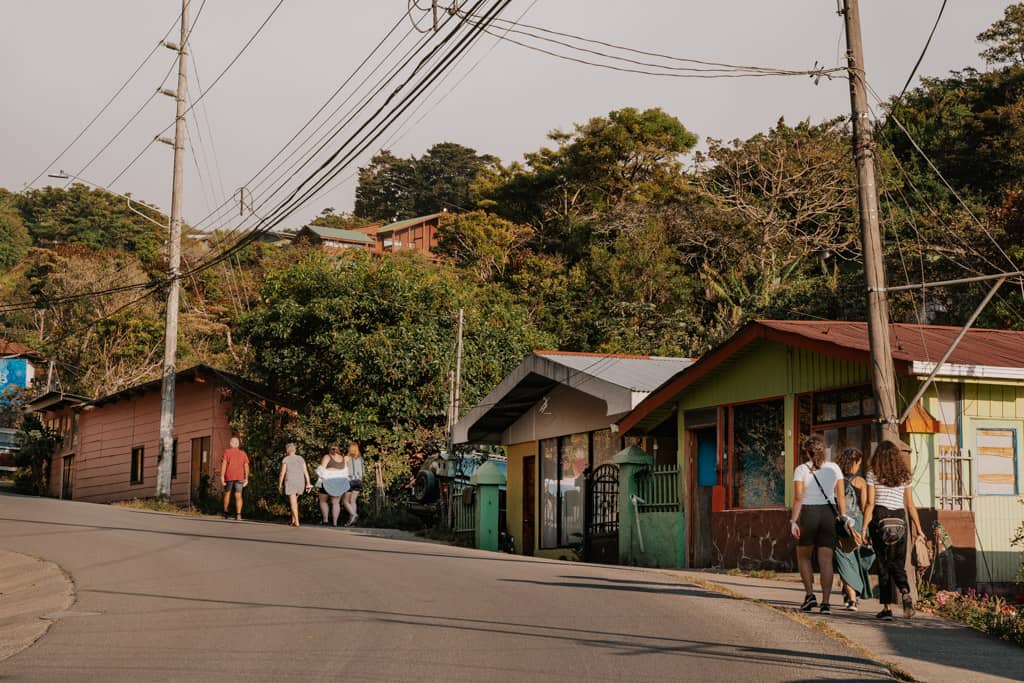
[
  {"x": 137, "y": 456},
  {"x": 564, "y": 462},
  {"x": 997, "y": 461},
  {"x": 758, "y": 468},
  {"x": 549, "y": 496},
  {"x": 843, "y": 417}
]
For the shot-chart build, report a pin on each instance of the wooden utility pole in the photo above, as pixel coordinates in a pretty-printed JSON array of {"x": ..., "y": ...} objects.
[
  {"x": 164, "y": 461},
  {"x": 457, "y": 394},
  {"x": 883, "y": 373}
]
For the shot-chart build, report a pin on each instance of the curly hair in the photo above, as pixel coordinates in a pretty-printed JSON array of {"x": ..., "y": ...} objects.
[
  {"x": 888, "y": 466},
  {"x": 847, "y": 457},
  {"x": 813, "y": 450}
]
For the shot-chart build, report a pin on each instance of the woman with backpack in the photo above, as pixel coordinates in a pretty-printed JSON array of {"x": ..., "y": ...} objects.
[{"x": 890, "y": 504}]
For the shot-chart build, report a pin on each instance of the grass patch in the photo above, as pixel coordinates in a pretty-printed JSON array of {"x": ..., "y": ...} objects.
[
  {"x": 753, "y": 573},
  {"x": 154, "y": 505}
]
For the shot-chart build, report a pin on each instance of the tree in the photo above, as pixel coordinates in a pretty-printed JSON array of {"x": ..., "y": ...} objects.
[
  {"x": 364, "y": 345},
  {"x": 392, "y": 189},
  {"x": 91, "y": 217},
  {"x": 627, "y": 157},
  {"x": 483, "y": 243},
  {"x": 1005, "y": 38},
  {"x": 791, "y": 194},
  {"x": 342, "y": 221},
  {"x": 14, "y": 238},
  {"x": 36, "y": 443}
]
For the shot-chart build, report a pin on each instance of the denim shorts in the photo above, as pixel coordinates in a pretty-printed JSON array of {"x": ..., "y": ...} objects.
[{"x": 235, "y": 485}]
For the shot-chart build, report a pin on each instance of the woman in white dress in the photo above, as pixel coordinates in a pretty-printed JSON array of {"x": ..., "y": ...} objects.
[{"x": 333, "y": 484}]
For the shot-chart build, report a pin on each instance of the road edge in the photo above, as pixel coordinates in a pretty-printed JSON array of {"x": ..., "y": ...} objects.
[
  {"x": 895, "y": 670},
  {"x": 33, "y": 592}
]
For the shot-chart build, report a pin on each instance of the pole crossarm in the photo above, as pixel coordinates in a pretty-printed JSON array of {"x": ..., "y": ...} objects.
[
  {"x": 952, "y": 347},
  {"x": 945, "y": 283}
]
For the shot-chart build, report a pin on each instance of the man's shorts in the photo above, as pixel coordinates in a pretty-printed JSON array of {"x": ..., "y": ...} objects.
[
  {"x": 817, "y": 526},
  {"x": 235, "y": 485}
]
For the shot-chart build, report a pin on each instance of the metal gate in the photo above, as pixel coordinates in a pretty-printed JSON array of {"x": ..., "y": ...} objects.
[{"x": 601, "y": 540}]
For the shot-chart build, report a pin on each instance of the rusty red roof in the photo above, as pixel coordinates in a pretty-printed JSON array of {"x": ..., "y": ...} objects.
[
  {"x": 848, "y": 340},
  {"x": 927, "y": 343},
  {"x": 9, "y": 348}
]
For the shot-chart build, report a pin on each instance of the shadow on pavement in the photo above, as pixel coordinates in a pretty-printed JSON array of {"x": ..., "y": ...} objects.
[
  {"x": 628, "y": 644},
  {"x": 666, "y": 588}
]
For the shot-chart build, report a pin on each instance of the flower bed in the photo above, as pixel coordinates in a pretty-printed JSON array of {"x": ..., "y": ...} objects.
[{"x": 988, "y": 614}]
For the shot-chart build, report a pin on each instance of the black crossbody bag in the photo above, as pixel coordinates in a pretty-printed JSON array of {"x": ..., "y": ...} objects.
[{"x": 842, "y": 531}]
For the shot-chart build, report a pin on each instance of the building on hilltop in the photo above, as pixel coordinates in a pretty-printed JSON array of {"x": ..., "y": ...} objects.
[{"x": 417, "y": 234}]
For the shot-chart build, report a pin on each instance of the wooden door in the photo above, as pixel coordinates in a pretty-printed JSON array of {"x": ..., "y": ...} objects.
[
  {"x": 200, "y": 468},
  {"x": 529, "y": 504},
  {"x": 703, "y": 449},
  {"x": 67, "y": 482}
]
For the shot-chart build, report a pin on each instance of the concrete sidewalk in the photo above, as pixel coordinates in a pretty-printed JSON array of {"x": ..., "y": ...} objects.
[
  {"x": 33, "y": 593},
  {"x": 927, "y": 648}
]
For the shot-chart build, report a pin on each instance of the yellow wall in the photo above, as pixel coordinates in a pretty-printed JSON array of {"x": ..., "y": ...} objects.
[{"x": 514, "y": 489}]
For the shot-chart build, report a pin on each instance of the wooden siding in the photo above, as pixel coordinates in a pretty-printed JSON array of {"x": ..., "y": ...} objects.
[{"x": 108, "y": 433}]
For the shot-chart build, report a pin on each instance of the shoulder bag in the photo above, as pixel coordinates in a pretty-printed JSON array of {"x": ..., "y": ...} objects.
[{"x": 846, "y": 541}]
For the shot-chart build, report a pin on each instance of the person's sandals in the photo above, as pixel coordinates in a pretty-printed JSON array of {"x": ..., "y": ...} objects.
[
  {"x": 908, "y": 606},
  {"x": 884, "y": 615},
  {"x": 810, "y": 602},
  {"x": 825, "y": 610},
  {"x": 352, "y": 520}
]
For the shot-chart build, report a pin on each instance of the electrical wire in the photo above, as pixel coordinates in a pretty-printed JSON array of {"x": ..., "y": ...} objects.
[
  {"x": 289, "y": 204},
  {"x": 106, "y": 106}
]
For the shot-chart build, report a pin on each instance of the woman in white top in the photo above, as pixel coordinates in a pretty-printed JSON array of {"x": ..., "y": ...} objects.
[
  {"x": 890, "y": 503},
  {"x": 817, "y": 488},
  {"x": 355, "y": 466}
]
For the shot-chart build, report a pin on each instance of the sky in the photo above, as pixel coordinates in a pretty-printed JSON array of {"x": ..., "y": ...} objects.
[{"x": 63, "y": 59}]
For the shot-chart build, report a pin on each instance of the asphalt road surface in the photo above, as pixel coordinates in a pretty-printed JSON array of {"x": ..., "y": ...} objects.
[{"x": 163, "y": 597}]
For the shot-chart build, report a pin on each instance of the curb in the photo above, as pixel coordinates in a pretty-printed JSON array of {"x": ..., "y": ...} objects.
[{"x": 33, "y": 594}]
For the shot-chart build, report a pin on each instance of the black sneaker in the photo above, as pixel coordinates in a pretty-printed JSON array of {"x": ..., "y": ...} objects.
[
  {"x": 825, "y": 610},
  {"x": 884, "y": 615},
  {"x": 908, "y": 606},
  {"x": 226, "y": 515},
  {"x": 810, "y": 602}
]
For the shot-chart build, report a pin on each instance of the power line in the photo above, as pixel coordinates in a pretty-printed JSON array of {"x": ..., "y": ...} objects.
[
  {"x": 212, "y": 85},
  {"x": 106, "y": 106},
  {"x": 333, "y": 166},
  {"x": 924, "y": 51}
]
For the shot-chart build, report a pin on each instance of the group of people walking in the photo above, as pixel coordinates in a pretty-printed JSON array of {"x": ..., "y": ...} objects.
[
  {"x": 877, "y": 511},
  {"x": 339, "y": 482}
]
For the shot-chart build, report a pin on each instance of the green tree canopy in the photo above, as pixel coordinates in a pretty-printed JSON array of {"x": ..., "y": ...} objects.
[
  {"x": 1005, "y": 38},
  {"x": 392, "y": 189}
]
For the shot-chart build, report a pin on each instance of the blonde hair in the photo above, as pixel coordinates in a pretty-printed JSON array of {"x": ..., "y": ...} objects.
[{"x": 352, "y": 445}]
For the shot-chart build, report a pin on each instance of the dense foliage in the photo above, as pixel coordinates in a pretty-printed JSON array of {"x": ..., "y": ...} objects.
[{"x": 618, "y": 236}]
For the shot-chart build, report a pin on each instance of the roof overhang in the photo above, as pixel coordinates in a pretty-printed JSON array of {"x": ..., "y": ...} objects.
[
  {"x": 55, "y": 400},
  {"x": 922, "y": 369},
  {"x": 535, "y": 377}
]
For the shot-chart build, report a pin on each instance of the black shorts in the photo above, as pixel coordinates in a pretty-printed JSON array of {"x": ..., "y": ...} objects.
[
  {"x": 356, "y": 485},
  {"x": 817, "y": 526}
]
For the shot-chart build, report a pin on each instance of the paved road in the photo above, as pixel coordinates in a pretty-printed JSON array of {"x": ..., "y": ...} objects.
[{"x": 164, "y": 597}]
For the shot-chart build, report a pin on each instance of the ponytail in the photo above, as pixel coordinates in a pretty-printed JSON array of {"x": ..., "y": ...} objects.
[{"x": 813, "y": 450}]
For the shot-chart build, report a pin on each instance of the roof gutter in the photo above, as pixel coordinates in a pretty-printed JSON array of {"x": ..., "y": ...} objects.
[{"x": 924, "y": 368}]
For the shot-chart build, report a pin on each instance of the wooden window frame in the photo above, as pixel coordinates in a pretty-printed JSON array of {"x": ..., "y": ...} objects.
[
  {"x": 136, "y": 473},
  {"x": 727, "y": 438}
]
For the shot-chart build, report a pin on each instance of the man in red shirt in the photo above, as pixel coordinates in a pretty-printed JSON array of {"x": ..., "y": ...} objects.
[{"x": 234, "y": 476}]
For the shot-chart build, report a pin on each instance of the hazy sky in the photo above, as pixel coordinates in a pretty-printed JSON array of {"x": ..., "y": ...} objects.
[{"x": 62, "y": 59}]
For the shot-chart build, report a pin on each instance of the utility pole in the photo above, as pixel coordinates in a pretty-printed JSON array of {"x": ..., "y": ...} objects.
[
  {"x": 883, "y": 373},
  {"x": 164, "y": 461},
  {"x": 457, "y": 400}
]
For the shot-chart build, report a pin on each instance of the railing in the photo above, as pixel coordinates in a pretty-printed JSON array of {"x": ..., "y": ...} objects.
[
  {"x": 462, "y": 513},
  {"x": 953, "y": 477},
  {"x": 658, "y": 487}
]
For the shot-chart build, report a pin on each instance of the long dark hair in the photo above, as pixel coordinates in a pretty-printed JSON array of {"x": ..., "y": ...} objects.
[
  {"x": 813, "y": 450},
  {"x": 888, "y": 465},
  {"x": 847, "y": 457}
]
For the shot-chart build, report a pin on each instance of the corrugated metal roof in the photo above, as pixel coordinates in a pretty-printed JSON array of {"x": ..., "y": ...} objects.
[
  {"x": 1000, "y": 348},
  {"x": 638, "y": 373},
  {"x": 339, "y": 234},
  {"x": 9, "y": 348},
  {"x": 398, "y": 225}
]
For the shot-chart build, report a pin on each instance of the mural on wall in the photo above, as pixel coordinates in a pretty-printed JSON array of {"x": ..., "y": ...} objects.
[
  {"x": 13, "y": 373},
  {"x": 759, "y": 468}
]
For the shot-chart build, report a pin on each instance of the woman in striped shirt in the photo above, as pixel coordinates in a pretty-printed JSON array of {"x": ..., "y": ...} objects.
[{"x": 890, "y": 503}]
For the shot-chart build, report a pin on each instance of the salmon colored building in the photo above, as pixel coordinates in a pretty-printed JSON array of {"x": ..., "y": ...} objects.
[{"x": 110, "y": 444}]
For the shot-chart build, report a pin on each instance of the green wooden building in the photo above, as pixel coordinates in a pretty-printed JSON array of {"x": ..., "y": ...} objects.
[{"x": 738, "y": 415}]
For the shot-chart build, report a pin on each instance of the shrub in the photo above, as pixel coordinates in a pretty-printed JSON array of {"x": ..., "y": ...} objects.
[{"x": 988, "y": 614}]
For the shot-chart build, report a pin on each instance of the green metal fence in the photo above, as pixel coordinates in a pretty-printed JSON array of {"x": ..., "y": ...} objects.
[
  {"x": 462, "y": 508},
  {"x": 658, "y": 487}
]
